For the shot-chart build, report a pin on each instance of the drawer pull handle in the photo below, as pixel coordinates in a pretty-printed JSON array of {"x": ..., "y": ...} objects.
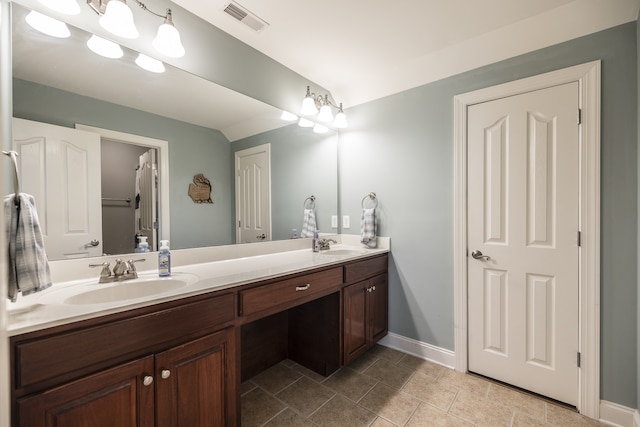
[
  {"x": 147, "y": 380},
  {"x": 303, "y": 288},
  {"x": 165, "y": 374}
]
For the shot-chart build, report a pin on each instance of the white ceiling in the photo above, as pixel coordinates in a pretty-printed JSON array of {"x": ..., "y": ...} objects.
[{"x": 362, "y": 50}]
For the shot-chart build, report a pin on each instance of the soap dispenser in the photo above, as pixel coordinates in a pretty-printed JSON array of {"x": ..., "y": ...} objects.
[
  {"x": 315, "y": 243},
  {"x": 164, "y": 259},
  {"x": 143, "y": 246}
]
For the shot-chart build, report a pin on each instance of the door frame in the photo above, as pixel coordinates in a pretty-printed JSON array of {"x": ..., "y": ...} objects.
[{"x": 588, "y": 77}]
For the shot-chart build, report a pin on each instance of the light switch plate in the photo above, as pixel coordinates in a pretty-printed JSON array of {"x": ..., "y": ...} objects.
[
  {"x": 346, "y": 222},
  {"x": 334, "y": 221}
]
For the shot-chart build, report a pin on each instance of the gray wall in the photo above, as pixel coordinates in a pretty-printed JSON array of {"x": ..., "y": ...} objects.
[
  {"x": 192, "y": 150},
  {"x": 638, "y": 261},
  {"x": 303, "y": 163},
  {"x": 401, "y": 147}
]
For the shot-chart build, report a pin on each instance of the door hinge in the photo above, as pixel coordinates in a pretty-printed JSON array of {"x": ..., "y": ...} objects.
[
  {"x": 579, "y": 116},
  {"x": 238, "y": 223},
  {"x": 579, "y": 239},
  {"x": 578, "y": 359}
]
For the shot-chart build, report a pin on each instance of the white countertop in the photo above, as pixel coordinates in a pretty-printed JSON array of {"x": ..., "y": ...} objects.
[{"x": 200, "y": 271}]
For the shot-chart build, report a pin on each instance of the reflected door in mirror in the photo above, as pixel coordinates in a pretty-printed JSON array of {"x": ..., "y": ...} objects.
[{"x": 253, "y": 194}]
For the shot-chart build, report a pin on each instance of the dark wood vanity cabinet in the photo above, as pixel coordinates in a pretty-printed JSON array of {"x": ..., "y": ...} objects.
[{"x": 365, "y": 307}]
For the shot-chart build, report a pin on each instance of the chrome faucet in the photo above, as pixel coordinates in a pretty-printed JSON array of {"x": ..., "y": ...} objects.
[
  {"x": 325, "y": 244},
  {"x": 123, "y": 270}
]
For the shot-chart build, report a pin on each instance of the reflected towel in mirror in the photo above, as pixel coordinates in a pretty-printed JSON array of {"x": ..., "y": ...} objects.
[
  {"x": 27, "y": 260},
  {"x": 368, "y": 227},
  {"x": 308, "y": 223}
]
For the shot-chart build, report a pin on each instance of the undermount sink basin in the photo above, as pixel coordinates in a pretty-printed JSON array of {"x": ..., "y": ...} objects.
[
  {"x": 126, "y": 291},
  {"x": 345, "y": 252}
]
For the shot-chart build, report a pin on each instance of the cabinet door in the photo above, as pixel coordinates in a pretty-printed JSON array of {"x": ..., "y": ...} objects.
[
  {"x": 379, "y": 307},
  {"x": 196, "y": 383},
  {"x": 355, "y": 320},
  {"x": 115, "y": 397}
]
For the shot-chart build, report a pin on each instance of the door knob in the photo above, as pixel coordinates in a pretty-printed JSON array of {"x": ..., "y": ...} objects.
[
  {"x": 92, "y": 243},
  {"x": 261, "y": 237},
  {"x": 478, "y": 255}
]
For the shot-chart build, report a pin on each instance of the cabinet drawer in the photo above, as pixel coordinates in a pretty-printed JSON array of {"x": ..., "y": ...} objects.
[
  {"x": 52, "y": 359},
  {"x": 288, "y": 293},
  {"x": 364, "y": 269}
]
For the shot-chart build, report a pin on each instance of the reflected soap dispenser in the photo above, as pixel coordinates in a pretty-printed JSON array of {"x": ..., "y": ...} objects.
[
  {"x": 315, "y": 243},
  {"x": 143, "y": 246},
  {"x": 164, "y": 259}
]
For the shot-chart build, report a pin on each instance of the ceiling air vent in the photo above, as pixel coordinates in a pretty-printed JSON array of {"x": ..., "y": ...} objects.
[{"x": 241, "y": 14}]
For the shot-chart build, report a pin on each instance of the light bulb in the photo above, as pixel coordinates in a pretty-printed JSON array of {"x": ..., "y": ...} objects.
[
  {"x": 308, "y": 106},
  {"x": 150, "y": 64},
  {"x": 340, "y": 121},
  {"x": 104, "y": 47},
  {"x": 326, "y": 115},
  {"x": 167, "y": 41},
  {"x": 47, "y": 25},
  {"x": 305, "y": 123},
  {"x": 68, "y": 7},
  {"x": 118, "y": 20}
]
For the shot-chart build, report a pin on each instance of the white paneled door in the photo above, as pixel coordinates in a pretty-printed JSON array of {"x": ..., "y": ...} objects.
[
  {"x": 253, "y": 194},
  {"x": 523, "y": 253}
]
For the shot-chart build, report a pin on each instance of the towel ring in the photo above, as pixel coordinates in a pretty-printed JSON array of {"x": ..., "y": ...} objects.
[
  {"x": 371, "y": 196},
  {"x": 311, "y": 199}
]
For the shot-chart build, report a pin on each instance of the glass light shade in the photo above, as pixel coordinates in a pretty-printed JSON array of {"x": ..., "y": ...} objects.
[
  {"x": 326, "y": 115},
  {"x": 340, "y": 121},
  {"x": 68, "y": 7},
  {"x": 305, "y": 123},
  {"x": 105, "y": 48},
  {"x": 290, "y": 117},
  {"x": 47, "y": 25},
  {"x": 150, "y": 64},
  {"x": 118, "y": 20},
  {"x": 168, "y": 42},
  {"x": 308, "y": 106},
  {"x": 318, "y": 128}
]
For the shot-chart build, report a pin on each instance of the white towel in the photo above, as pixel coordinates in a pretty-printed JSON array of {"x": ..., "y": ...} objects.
[
  {"x": 27, "y": 264},
  {"x": 308, "y": 223},
  {"x": 368, "y": 227}
]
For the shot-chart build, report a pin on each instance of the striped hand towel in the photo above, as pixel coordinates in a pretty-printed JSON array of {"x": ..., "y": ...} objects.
[
  {"x": 308, "y": 223},
  {"x": 27, "y": 264},
  {"x": 368, "y": 227}
]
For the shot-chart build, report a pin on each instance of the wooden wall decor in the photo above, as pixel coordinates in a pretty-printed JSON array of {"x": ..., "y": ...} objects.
[{"x": 200, "y": 189}]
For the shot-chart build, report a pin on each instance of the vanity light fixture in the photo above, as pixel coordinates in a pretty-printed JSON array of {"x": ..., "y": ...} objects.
[
  {"x": 312, "y": 104},
  {"x": 318, "y": 128},
  {"x": 67, "y": 7},
  {"x": 104, "y": 47},
  {"x": 305, "y": 123},
  {"x": 150, "y": 64},
  {"x": 289, "y": 117},
  {"x": 47, "y": 25},
  {"x": 117, "y": 18}
]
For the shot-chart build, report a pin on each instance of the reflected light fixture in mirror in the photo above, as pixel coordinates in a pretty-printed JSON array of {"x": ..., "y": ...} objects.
[
  {"x": 312, "y": 104},
  {"x": 67, "y": 7},
  {"x": 118, "y": 20},
  {"x": 150, "y": 64},
  {"x": 47, "y": 25},
  {"x": 104, "y": 47}
]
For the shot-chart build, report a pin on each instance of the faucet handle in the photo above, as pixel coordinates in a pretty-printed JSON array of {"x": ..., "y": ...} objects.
[
  {"x": 131, "y": 262},
  {"x": 106, "y": 272}
]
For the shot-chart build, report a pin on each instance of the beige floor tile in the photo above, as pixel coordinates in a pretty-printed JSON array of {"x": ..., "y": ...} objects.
[
  {"x": 288, "y": 418},
  {"x": 363, "y": 362},
  {"x": 308, "y": 373},
  {"x": 423, "y": 366},
  {"x": 341, "y": 412},
  {"x": 246, "y": 387},
  {"x": 381, "y": 422},
  {"x": 386, "y": 353},
  {"x": 276, "y": 378},
  {"x": 350, "y": 383},
  {"x": 305, "y": 396},
  {"x": 389, "y": 373},
  {"x": 465, "y": 382},
  {"x": 560, "y": 416},
  {"x": 427, "y": 415},
  {"x": 523, "y": 420},
  {"x": 481, "y": 412},
  {"x": 429, "y": 390},
  {"x": 258, "y": 407},
  {"x": 521, "y": 402},
  {"x": 390, "y": 404}
]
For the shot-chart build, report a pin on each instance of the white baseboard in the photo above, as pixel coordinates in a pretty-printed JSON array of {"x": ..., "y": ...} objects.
[
  {"x": 618, "y": 415},
  {"x": 420, "y": 349}
]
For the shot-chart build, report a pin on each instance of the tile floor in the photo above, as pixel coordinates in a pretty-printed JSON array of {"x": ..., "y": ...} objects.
[{"x": 386, "y": 388}]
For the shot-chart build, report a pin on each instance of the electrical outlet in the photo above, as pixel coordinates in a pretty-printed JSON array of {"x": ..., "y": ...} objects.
[
  {"x": 334, "y": 221},
  {"x": 346, "y": 221}
]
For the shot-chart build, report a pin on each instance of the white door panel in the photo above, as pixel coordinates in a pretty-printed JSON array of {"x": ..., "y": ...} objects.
[
  {"x": 253, "y": 194},
  {"x": 523, "y": 206},
  {"x": 60, "y": 167}
]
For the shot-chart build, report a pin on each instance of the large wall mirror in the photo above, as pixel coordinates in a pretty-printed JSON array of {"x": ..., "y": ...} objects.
[{"x": 59, "y": 81}]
